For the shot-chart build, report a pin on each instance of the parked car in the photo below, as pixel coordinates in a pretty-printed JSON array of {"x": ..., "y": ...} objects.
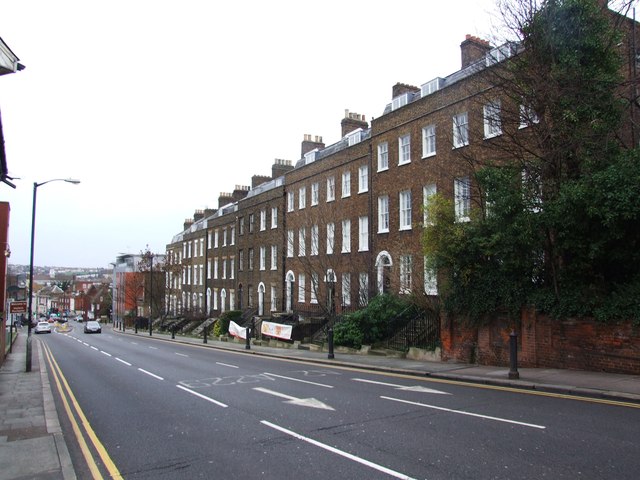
[
  {"x": 79, "y": 319},
  {"x": 43, "y": 327},
  {"x": 92, "y": 327}
]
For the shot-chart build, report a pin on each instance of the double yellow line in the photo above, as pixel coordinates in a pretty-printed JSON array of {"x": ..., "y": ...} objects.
[{"x": 69, "y": 400}]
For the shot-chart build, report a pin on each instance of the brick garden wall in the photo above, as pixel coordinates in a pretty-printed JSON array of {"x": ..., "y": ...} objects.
[{"x": 580, "y": 344}]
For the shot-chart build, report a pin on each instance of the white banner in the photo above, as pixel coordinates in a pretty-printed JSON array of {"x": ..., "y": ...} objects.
[
  {"x": 277, "y": 330},
  {"x": 236, "y": 330}
]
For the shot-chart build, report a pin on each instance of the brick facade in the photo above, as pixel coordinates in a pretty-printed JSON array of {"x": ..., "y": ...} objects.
[{"x": 579, "y": 344}]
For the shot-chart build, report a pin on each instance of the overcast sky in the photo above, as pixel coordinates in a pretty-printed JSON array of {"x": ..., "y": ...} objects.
[{"x": 158, "y": 106}]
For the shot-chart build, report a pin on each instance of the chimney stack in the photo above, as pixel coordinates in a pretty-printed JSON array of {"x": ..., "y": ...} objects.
[
  {"x": 280, "y": 167},
  {"x": 473, "y": 49},
  {"x": 352, "y": 121},
  {"x": 309, "y": 143}
]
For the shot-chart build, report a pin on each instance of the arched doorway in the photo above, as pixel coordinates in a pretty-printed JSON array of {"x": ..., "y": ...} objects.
[
  {"x": 261, "y": 299},
  {"x": 290, "y": 280},
  {"x": 383, "y": 269}
]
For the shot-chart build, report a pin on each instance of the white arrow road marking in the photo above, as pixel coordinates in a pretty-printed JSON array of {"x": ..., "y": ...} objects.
[
  {"x": 342, "y": 453},
  {"x": 462, "y": 412},
  {"x": 415, "y": 388},
  {"x": 303, "y": 402},
  {"x": 204, "y": 397},
  {"x": 298, "y": 380},
  {"x": 150, "y": 374}
]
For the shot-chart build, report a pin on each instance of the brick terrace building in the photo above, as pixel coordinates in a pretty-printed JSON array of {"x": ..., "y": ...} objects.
[{"x": 351, "y": 215}]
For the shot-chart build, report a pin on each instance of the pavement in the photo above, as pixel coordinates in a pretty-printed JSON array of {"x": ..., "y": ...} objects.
[{"x": 32, "y": 445}]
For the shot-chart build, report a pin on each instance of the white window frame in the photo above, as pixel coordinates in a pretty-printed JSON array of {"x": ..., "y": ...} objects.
[
  {"x": 363, "y": 289},
  {"x": 363, "y": 179},
  {"x": 274, "y": 217},
  {"x": 346, "y": 184},
  {"x": 314, "y": 288},
  {"x": 315, "y": 193},
  {"x": 461, "y": 130},
  {"x": 427, "y": 192},
  {"x": 301, "y": 287},
  {"x": 428, "y": 141},
  {"x": 263, "y": 258},
  {"x": 302, "y": 198},
  {"x": 315, "y": 240},
  {"x": 291, "y": 201},
  {"x": 302, "y": 242},
  {"x": 331, "y": 235},
  {"x": 290, "y": 243},
  {"x": 462, "y": 198},
  {"x": 491, "y": 119},
  {"x": 346, "y": 289},
  {"x": 331, "y": 189},
  {"x": 383, "y": 156},
  {"x": 274, "y": 257},
  {"x": 405, "y": 209},
  {"x": 346, "y": 236},
  {"x": 263, "y": 219},
  {"x": 363, "y": 234},
  {"x": 404, "y": 149},
  {"x": 406, "y": 268},
  {"x": 383, "y": 214}
]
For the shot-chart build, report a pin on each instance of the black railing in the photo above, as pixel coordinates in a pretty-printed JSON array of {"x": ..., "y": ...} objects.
[{"x": 423, "y": 331}]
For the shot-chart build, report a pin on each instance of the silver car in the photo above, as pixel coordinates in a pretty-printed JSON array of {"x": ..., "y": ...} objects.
[
  {"x": 92, "y": 327},
  {"x": 43, "y": 327}
]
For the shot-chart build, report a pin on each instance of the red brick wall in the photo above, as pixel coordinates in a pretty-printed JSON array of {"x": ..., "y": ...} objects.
[{"x": 579, "y": 344}]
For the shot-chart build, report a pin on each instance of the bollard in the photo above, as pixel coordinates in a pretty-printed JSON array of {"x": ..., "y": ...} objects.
[
  {"x": 330, "y": 339},
  {"x": 247, "y": 343},
  {"x": 204, "y": 339},
  {"x": 513, "y": 355},
  {"x": 173, "y": 332},
  {"x": 136, "y": 326}
]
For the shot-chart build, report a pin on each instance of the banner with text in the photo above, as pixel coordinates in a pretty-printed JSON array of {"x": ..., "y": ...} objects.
[
  {"x": 236, "y": 330},
  {"x": 277, "y": 330}
]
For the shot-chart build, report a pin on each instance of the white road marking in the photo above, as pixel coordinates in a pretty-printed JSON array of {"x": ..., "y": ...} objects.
[
  {"x": 298, "y": 380},
  {"x": 415, "y": 388},
  {"x": 122, "y": 361},
  {"x": 107, "y": 354},
  {"x": 342, "y": 453},
  {"x": 151, "y": 374},
  {"x": 227, "y": 365},
  {"x": 462, "y": 412},
  {"x": 204, "y": 397},
  {"x": 153, "y": 348},
  {"x": 303, "y": 402},
  {"x": 181, "y": 354},
  {"x": 85, "y": 343},
  {"x": 94, "y": 348}
]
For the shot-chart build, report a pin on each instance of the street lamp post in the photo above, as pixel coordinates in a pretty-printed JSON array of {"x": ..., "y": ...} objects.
[
  {"x": 33, "y": 232},
  {"x": 151, "y": 297}
]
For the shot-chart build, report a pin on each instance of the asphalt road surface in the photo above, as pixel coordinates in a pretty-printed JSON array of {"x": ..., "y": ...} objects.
[{"x": 145, "y": 408}]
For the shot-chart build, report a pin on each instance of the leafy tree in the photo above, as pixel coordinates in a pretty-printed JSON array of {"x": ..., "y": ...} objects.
[{"x": 558, "y": 226}]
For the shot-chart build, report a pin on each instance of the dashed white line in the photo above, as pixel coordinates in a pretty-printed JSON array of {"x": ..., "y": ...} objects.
[
  {"x": 122, "y": 361},
  {"x": 151, "y": 374},
  {"x": 227, "y": 365},
  {"x": 298, "y": 380},
  {"x": 462, "y": 412},
  {"x": 204, "y": 397},
  {"x": 94, "y": 348},
  {"x": 342, "y": 453},
  {"x": 105, "y": 353},
  {"x": 181, "y": 354},
  {"x": 153, "y": 348}
]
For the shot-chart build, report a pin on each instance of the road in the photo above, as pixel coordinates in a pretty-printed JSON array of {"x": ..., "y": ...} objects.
[{"x": 146, "y": 408}]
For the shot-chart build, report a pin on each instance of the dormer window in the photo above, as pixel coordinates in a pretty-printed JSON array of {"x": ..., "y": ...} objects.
[
  {"x": 310, "y": 157},
  {"x": 399, "y": 101},
  {"x": 354, "y": 137},
  {"x": 430, "y": 87},
  {"x": 498, "y": 54}
]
